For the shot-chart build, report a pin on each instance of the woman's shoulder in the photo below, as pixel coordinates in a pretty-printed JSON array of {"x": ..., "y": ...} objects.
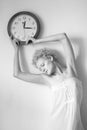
[{"x": 66, "y": 78}]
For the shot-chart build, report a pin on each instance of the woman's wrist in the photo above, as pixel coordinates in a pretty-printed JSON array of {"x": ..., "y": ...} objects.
[{"x": 17, "y": 49}]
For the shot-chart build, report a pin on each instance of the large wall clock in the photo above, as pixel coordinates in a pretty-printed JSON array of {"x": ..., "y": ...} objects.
[{"x": 23, "y": 25}]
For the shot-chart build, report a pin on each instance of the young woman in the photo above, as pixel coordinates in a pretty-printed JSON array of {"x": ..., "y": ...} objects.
[
  {"x": 69, "y": 58},
  {"x": 63, "y": 81}
]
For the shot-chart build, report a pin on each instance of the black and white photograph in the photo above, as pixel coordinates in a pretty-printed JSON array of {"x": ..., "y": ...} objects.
[{"x": 43, "y": 68}]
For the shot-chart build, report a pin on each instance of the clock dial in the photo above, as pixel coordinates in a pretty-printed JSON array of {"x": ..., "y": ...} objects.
[{"x": 23, "y": 25}]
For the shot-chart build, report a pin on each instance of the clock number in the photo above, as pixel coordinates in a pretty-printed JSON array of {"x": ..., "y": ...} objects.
[
  {"x": 29, "y": 19},
  {"x": 24, "y": 17},
  {"x": 34, "y": 28},
  {"x": 19, "y": 19},
  {"x": 13, "y": 28},
  {"x": 33, "y": 23},
  {"x": 14, "y": 33},
  {"x": 16, "y": 23},
  {"x": 32, "y": 34}
]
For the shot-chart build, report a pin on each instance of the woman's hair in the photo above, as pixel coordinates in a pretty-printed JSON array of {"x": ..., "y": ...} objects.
[{"x": 44, "y": 53}]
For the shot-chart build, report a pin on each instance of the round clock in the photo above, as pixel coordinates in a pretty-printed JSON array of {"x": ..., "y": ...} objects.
[{"x": 23, "y": 25}]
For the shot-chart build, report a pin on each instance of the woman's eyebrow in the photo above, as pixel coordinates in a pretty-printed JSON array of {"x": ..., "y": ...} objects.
[{"x": 42, "y": 63}]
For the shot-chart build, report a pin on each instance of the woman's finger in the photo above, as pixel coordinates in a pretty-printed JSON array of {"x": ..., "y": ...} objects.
[{"x": 30, "y": 40}]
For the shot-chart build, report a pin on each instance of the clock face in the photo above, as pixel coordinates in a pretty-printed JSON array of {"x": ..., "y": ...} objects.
[{"x": 23, "y": 25}]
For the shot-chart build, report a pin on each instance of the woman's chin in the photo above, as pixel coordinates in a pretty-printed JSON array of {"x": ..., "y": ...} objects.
[{"x": 49, "y": 73}]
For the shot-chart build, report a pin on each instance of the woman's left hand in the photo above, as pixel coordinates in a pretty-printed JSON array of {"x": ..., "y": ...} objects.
[{"x": 30, "y": 40}]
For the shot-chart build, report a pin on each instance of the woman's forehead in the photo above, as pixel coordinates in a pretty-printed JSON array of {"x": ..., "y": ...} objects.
[{"x": 40, "y": 60}]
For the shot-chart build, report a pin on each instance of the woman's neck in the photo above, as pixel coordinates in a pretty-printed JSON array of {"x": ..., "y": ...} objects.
[{"x": 59, "y": 69}]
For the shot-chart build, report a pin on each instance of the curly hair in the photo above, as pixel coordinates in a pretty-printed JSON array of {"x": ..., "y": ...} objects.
[{"x": 44, "y": 53}]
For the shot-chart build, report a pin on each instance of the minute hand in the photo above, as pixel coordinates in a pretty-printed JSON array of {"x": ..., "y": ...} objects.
[{"x": 28, "y": 28}]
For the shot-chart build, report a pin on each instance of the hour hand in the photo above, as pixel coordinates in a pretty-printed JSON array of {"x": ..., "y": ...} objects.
[{"x": 23, "y": 24}]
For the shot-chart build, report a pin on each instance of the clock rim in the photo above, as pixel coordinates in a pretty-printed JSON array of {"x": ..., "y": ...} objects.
[{"x": 23, "y": 13}]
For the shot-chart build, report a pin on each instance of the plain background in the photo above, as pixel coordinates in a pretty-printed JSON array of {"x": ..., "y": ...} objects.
[{"x": 24, "y": 105}]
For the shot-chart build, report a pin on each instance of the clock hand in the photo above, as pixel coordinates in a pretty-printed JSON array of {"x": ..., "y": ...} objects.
[
  {"x": 24, "y": 24},
  {"x": 28, "y": 28},
  {"x": 24, "y": 29}
]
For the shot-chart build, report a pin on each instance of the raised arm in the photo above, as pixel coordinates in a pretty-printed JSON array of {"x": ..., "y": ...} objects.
[
  {"x": 68, "y": 52},
  {"x": 56, "y": 37},
  {"x": 69, "y": 55},
  {"x": 29, "y": 77}
]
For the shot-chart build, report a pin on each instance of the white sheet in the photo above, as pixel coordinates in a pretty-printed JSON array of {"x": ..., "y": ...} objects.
[{"x": 66, "y": 101}]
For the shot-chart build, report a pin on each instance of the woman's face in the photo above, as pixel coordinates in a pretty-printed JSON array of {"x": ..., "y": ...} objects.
[{"x": 45, "y": 65}]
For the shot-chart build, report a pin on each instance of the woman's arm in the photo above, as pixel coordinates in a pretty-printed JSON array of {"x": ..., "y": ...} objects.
[
  {"x": 67, "y": 50},
  {"x": 56, "y": 37},
  {"x": 69, "y": 55},
  {"x": 29, "y": 77}
]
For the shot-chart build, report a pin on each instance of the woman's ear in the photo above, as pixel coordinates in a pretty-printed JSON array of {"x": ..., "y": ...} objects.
[{"x": 50, "y": 58}]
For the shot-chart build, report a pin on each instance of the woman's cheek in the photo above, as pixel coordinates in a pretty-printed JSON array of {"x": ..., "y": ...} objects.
[{"x": 50, "y": 69}]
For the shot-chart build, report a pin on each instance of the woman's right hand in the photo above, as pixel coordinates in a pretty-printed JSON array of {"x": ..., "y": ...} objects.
[{"x": 15, "y": 43}]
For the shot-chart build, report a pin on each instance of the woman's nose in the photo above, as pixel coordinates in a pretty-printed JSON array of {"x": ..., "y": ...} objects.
[{"x": 43, "y": 70}]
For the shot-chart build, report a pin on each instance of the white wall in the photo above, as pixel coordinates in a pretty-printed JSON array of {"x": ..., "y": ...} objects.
[{"x": 24, "y": 105}]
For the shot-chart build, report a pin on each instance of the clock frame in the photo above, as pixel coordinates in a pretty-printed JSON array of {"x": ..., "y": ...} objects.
[{"x": 10, "y": 22}]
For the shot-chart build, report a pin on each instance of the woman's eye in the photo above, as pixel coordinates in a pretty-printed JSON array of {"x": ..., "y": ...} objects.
[{"x": 42, "y": 64}]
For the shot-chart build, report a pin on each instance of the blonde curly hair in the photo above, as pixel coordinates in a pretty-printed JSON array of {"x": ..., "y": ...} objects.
[{"x": 45, "y": 53}]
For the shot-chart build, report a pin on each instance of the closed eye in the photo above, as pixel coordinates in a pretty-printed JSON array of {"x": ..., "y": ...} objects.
[{"x": 42, "y": 64}]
